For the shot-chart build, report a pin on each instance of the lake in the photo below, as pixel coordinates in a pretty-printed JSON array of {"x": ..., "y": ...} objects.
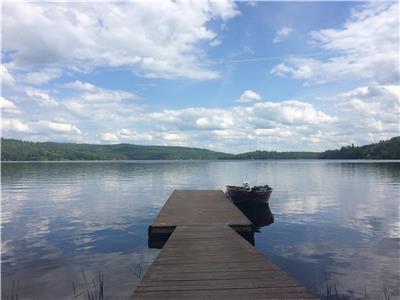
[{"x": 336, "y": 222}]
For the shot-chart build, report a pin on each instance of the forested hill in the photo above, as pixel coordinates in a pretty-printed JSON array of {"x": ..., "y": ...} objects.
[
  {"x": 277, "y": 155},
  {"x": 389, "y": 149},
  {"x": 16, "y": 150}
]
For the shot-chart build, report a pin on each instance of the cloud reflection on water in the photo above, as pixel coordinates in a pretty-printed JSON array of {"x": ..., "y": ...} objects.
[{"x": 330, "y": 217}]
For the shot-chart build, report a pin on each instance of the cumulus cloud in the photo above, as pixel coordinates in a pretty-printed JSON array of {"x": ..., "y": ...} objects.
[
  {"x": 103, "y": 95},
  {"x": 81, "y": 86},
  {"x": 369, "y": 113},
  {"x": 42, "y": 76},
  {"x": 40, "y": 96},
  {"x": 6, "y": 78},
  {"x": 45, "y": 129},
  {"x": 81, "y": 36},
  {"x": 366, "y": 48},
  {"x": 216, "y": 42},
  {"x": 109, "y": 137},
  {"x": 125, "y": 135},
  {"x": 290, "y": 112},
  {"x": 59, "y": 127},
  {"x": 94, "y": 114},
  {"x": 92, "y": 93},
  {"x": 174, "y": 137},
  {"x": 8, "y": 107},
  {"x": 362, "y": 115},
  {"x": 51, "y": 117},
  {"x": 249, "y": 96},
  {"x": 282, "y": 34},
  {"x": 99, "y": 104},
  {"x": 246, "y": 127},
  {"x": 110, "y": 116},
  {"x": 193, "y": 119},
  {"x": 13, "y": 126}
]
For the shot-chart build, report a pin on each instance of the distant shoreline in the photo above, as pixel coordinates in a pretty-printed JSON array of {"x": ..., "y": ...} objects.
[
  {"x": 200, "y": 160},
  {"x": 24, "y": 151}
]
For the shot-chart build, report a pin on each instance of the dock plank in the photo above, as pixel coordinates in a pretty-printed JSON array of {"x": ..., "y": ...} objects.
[
  {"x": 197, "y": 208},
  {"x": 205, "y": 258}
]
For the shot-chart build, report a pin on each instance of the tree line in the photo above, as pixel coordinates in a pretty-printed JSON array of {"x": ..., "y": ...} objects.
[{"x": 17, "y": 150}]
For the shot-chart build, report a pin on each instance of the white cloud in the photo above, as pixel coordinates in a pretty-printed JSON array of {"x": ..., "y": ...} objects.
[
  {"x": 43, "y": 76},
  {"x": 6, "y": 78},
  {"x": 81, "y": 86},
  {"x": 133, "y": 135},
  {"x": 366, "y": 48},
  {"x": 239, "y": 128},
  {"x": 174, "y": 137},
  {"x": 46, "y": 129},
  {"x": 290, "y": 112},
  {"x": 125, "y": 135},
  {"x": 109, "y": 137},
  {"x": 40, "y": 96},
  {"x": 193, "y": 119},
  {"x": 282, "y": 34},
  {"x": 106, "y": 96},
  {"x": 257, "y": 116},
  {"x": 251, "y": 3},
  {"x": 94, "y": 94},
  {"x": 99, "y": 104},
  {"x": 369, "y": 111},
  {"x": 13, "y": 125},
  {"x": 81, "y": 36},
  {"x": 8, "y": 107},
  {"x": 242, "y": 128},
  {"x": 58, "y": 127},
  {"x": 249, "y": 96},
  {"x": 216, "y": 42},
  {"x": 362, "y": 115}
]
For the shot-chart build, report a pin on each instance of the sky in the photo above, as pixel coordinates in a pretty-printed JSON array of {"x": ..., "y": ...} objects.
[{"x": 226, "y": 76}]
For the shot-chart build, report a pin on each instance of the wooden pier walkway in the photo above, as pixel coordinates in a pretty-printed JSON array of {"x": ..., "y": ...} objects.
[{"x": 205, "y": 257}]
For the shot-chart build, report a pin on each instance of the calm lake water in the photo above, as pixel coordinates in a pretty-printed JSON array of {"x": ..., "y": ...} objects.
[{"x": 336, "y": 222}]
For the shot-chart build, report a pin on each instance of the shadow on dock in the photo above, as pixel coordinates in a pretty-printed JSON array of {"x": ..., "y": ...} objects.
[{"x": 258, "y": 213}]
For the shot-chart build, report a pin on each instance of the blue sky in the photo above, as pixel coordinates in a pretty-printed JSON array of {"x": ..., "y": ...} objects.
[{"x": 229, "y": 76}]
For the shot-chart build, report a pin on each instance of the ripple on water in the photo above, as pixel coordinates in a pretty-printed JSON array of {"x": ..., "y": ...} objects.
[{"x": 334, "y": 221}]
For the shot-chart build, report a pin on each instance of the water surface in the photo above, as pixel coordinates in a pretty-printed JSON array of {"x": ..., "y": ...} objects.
[{"x": 336, "y": 222}]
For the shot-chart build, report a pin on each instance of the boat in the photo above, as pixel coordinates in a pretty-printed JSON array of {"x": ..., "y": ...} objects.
[{"x": 246, "y": 193}]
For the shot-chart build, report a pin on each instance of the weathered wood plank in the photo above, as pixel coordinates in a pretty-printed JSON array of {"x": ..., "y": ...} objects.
[
  {"x": 204, "y": 258},
  {"x": 203, "y": 277},
  {"x": 260, "y": 293},
  {"x": 199, "y": 207},
  {"x": 274, "y": 281}
]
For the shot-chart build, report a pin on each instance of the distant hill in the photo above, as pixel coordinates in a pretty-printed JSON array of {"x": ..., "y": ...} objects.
[
  {"x": 17, "y": 150},
  {"x": 389, "y": 149},
  {"x": 277, "y": 155}
]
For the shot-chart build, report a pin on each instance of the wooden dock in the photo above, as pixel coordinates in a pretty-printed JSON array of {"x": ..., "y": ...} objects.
[{"x": 205, "y": 257}]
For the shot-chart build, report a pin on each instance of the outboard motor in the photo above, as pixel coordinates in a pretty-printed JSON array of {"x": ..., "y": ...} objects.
[{"x": 246, "y": 185}]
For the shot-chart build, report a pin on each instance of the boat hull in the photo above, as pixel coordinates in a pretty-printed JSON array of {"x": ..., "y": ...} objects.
[{"x": 238, "y": 195}]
